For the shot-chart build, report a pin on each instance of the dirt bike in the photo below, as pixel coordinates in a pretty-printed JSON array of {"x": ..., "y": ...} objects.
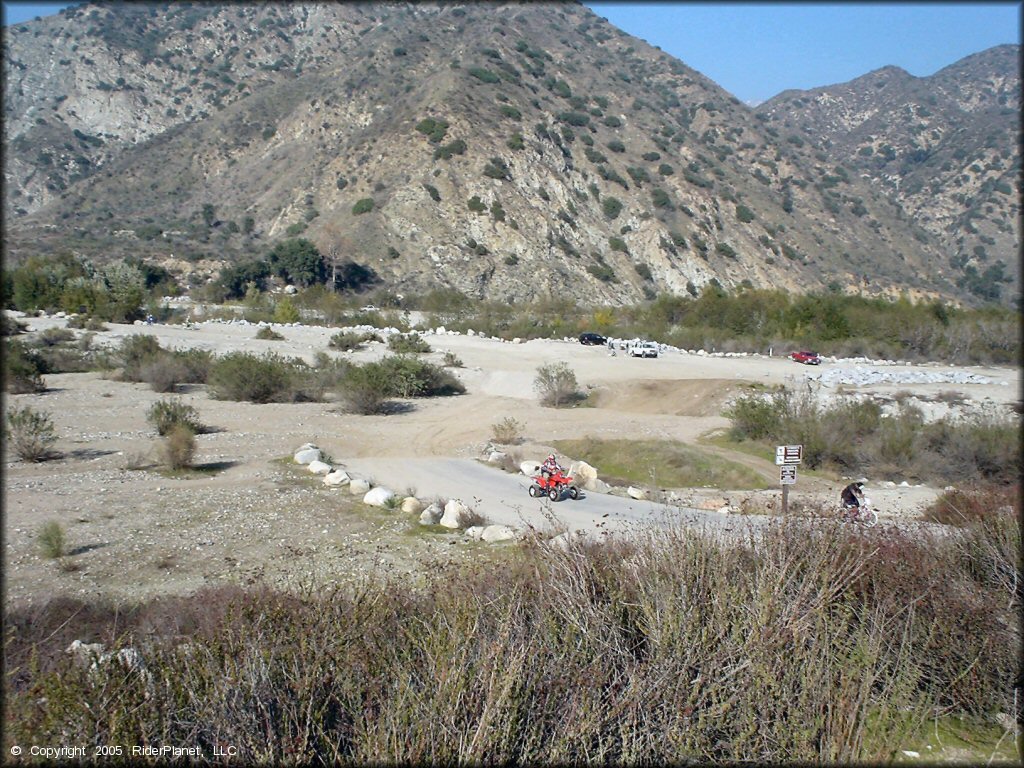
[
  {"x": 554, "y": 486},
  {"x": 865, "y": 514}
]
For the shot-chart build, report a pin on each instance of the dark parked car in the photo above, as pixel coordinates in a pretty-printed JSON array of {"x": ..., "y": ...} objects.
[
  {"x": 806, "y": 357},
  {"x": 592, "y": 339}
]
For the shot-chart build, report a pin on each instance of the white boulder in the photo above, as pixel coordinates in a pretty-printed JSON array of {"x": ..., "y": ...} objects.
[
  {"x": 456, "y": 514},
  {"x": 411, "y": 505},
  {"x": 636, "y": 493},
  {"x": 337, "y": 478},
  {"x": 599, "y": 486},
  {"x": 318, "y": 467},
  {"x": 475, "y": 532},
  {"x": 493, "y": 533},
  {"x": 431, "y": 515},
  {"x": 307, "y": 453},
  {"x": 529, "y": 468},
  {"x": 496, "y": 457},
  {"x": 358, "y": 487},
  {"x": 584, "y": 475},
  {"x": 378, "y": 497}
]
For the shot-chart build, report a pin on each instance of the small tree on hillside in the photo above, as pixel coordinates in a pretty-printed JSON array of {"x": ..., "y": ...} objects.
[
  {"x": 298, "y": 261},
  {"x": 556, "y": 385}
]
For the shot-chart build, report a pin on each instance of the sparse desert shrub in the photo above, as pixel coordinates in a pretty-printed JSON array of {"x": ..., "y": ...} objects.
[
  {"x": 87, "y": 323},
  {"x": 266, "y": 333},
  {"x": 347, "y": 341},
  {"x": 23, "y": 368},
  {"x": 30, "y": 433},
  {"x": 508, "y": 431},
  {"x": 165, "y": 415},
  {"x": 179, "y": 447},
  {"x": 163, "y": 372},
  {"x": 244, "y": 376},
  {"x": 407, "y": 343},
  {"x": 196, "y": 364},
  {"x": 853, "y": 634},
  {"x": 285, "y": 311},
  {"x": 963, "y": 507},
  {"x": 10, "y": 326},
  {"x": 556, "y": 385},
  {"x": 51, "y": 337},
  {"x": 451, "y": 360},
  {"x": 51, "y": 540},
  {"x": 135, "y": 352},
  {"x": 365, "y": 389}
]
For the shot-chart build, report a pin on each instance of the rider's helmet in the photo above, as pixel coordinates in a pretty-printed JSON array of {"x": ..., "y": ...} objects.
[
  {"x": 551, "y": 457},
  {"x": 860, "y": 481}
]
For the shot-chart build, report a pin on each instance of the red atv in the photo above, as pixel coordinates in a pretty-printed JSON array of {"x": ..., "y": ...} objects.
[{"x": 553, "y": 486}]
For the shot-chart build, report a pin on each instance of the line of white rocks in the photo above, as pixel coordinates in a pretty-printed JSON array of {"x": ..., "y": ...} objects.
[{"x": 455, "y": 514}]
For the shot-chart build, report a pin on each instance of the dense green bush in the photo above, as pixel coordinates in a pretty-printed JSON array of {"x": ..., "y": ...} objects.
[
  {"x": 363, "y": 205},
  {"x": 611, "y": 207},
  {"x": 433, "y": 128},
  {"x": 367, "y": 389},
  {"x": 447, "y": 151},
  {"x": 264, "y": 379}
]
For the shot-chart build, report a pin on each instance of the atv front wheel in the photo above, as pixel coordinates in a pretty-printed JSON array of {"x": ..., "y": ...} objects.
[
  {"x": 554, "y": 494},
  {"x": 574, "y": 492},
  {"x": 534, "y": 491}
]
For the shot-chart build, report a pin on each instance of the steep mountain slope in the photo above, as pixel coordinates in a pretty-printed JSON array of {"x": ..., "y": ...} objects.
[
  {"x": 504, "y": 150},
  {"x": 944, "y": 147}
]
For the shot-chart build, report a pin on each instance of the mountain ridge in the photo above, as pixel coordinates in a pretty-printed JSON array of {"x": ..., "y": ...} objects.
[{"x": 589, "y": 157}]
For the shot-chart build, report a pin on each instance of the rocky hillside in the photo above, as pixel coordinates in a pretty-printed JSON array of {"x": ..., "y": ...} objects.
[
  {"x": 506, "y": 151},
  {"x": 944, "y": 148}
]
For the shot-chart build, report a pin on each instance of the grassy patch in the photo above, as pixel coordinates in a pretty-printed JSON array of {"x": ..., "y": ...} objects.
[
  {"x": 949, "y": 739},
  {"x": 665, "y": 463}
]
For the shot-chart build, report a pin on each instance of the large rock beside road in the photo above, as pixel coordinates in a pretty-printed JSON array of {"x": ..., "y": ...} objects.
[
  {"x": 307, "y": 453},
  {"x": 636, "y": 493},
  {"x": 318, "y": 467},
  {"x": 337, "y": 478},
  {"x": 379, "y": 496},
  {"x": 411, "y": 505},
  {"x": 358, "y": 487},
  {"x": 584, "y": 475},
  {"x": 456, "y": 514},
  {"x": 494, "y": 533},
  {"x": 431, "y": 515}
]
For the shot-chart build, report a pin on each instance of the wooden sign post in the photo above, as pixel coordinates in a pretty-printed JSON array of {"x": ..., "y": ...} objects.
[{"x": 787, "y": 457}]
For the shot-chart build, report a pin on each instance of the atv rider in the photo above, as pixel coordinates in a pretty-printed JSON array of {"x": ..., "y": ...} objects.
[
  {"x": 853, "y": 495},
  {"x": 550, "y": 467}
]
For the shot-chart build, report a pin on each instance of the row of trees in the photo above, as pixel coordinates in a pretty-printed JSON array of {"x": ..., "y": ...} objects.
[
  {"x": 116, "y": 292},
  {"x": 299, "y": 262}
]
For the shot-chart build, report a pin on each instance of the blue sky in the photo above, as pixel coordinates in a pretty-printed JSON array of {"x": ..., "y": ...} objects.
[{"x": 757, "y": 50}]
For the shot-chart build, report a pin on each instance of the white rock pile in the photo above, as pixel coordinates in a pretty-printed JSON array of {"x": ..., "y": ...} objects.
[{"x": 455, "y": 515}]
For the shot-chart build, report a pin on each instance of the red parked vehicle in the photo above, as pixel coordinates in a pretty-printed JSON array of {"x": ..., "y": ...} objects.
[
  {"x": 553, "y": 487},
  {"x": 806, "y": 357}
]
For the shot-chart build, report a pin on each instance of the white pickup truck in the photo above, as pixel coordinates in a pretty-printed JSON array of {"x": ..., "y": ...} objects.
[{"x": 644, "y": 349}]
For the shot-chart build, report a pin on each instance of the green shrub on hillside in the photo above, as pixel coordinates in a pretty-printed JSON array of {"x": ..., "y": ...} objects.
[
  {"x": 29, "y": 433},
  {"x": 364, "y": 205}
]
